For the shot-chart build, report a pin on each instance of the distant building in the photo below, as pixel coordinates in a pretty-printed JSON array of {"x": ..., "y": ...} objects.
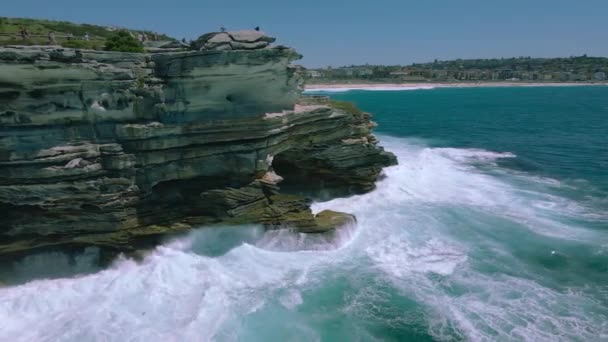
[
  {"x": 440, "y": 74},
  {"x": 414, "y": 78},
  {"x": 362, "y": 71},
  {"x": 576, "y": 77},
  {"x": 353, "y": 71},
  {"x": 526, "y": 69},
  {"x": 505, "y": 73},
  {"x": 314, "y": 73},
  {"x": 560, "y": 76},
  {"x": 599, "y": 76}
]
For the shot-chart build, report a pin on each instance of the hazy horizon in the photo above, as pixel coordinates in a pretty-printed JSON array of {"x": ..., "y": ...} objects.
[{"x": 383, "y": 32}]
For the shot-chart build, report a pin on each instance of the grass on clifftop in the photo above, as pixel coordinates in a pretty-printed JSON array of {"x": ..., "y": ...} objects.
[
  {"x": 348, "y": 107},
  {"x": 38, "y": 30}
]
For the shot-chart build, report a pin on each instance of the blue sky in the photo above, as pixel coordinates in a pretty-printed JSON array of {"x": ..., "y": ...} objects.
[{"x": 362, "y": 31}]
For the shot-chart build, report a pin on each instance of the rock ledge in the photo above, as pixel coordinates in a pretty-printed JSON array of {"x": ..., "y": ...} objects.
[{"x": 118, "y": 149}]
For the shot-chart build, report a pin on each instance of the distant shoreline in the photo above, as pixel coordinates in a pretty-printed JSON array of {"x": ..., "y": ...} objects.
[{"x": 433, "y": 85}]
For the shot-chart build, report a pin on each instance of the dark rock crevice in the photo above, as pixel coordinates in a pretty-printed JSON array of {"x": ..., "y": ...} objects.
[{"x": 117, "y": 150}]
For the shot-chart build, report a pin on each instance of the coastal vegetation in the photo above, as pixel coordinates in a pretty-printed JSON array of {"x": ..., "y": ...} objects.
[
  {"x": 123, "y": 41},
  {"x": 348, "y": 107},
  {"x": 67, "y": 34},
  {"x": 568, "y": 69}
]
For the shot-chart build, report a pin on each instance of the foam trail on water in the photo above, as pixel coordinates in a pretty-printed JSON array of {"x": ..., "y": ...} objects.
[
  {"x": 437, "y": 222},
  {"x": 475, "y": 254}
]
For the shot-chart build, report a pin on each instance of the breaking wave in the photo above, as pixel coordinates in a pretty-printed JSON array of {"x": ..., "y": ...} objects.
[{"x": 444, "y": 248}]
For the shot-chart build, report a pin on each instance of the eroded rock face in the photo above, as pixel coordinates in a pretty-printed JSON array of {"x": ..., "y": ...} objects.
[
  {"x": 233, "y": 40},
  {"x": 108, "y": 149}
]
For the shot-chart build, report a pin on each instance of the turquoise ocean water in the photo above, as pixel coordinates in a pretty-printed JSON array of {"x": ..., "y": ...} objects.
[{"x": 493, "y": 227}]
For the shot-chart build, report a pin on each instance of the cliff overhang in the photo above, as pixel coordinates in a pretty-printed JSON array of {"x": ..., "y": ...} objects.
[{"x": 111, "y": 149}]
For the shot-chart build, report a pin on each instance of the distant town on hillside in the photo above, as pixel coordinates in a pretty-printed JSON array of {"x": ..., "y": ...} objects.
[{"x": 524, "y": 69}]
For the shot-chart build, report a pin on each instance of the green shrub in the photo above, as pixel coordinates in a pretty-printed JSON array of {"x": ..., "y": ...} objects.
[
  {"x": 124, "y": 42},
  {"x": 141, "y": 83}
]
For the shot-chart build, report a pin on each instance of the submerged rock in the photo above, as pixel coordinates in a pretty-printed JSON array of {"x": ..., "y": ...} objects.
[{"x": 113, "y": 149}]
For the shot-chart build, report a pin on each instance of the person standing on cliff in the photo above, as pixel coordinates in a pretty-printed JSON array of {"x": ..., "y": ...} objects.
[
  {"x": 257, "y": 28},
  {"x": 51, "y": 37},
  {"x": 24, "y": 33},
  {"x": 222, "y": 28}
]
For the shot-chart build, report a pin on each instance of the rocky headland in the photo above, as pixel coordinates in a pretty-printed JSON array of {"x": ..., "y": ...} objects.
[{"x": 115, "y": 150}]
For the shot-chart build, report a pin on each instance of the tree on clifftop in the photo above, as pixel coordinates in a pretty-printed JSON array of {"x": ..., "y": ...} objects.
[{"x": 124, "y": 42}]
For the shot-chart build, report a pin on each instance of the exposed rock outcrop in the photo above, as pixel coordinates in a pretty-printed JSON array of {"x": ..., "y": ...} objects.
[
  {"x": 108, "y": 149},
  {"x": 233, "y": 40}
]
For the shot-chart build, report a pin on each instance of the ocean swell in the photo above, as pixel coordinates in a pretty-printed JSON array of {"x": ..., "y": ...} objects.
[{"x": 444, "y": 248}]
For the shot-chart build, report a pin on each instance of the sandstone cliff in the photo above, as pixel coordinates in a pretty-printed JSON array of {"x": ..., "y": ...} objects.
[{"x": 109, "y": 149}]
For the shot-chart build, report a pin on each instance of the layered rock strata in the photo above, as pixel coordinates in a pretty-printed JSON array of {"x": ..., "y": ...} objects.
[
  {"x": 233, "y": 40},
  {"x": 107, "y": 149}
]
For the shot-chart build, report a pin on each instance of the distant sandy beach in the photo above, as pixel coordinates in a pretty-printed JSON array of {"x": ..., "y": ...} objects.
[{"x": 413, "y": 86}]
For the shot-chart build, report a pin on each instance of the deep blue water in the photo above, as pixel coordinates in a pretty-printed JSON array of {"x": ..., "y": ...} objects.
[{"x": 493, "y": 227}]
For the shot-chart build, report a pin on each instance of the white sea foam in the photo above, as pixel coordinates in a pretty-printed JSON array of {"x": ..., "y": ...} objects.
[
  {"x": 174, "y": 294},
  {"x": 420, "y": 224},
  {"x": 291, "y": 299},
  {"x": 472, "y": 154},
  {"x": 500, "y": 307},
  {"x": 434, "y": 223},
  {"x": 400, "y": 257},
  {"x": 366, "y": 88},
  {"x": 449, "y": 177},
  {"x": 287, "y": 241}
]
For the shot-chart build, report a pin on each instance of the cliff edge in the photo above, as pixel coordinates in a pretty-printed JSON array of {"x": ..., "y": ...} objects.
[{"x": 109, "y": 149}]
